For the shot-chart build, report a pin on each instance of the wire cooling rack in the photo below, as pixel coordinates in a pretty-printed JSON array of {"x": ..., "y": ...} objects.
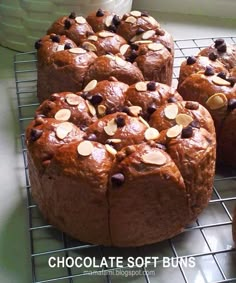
[{"x": 208, "y": 241}]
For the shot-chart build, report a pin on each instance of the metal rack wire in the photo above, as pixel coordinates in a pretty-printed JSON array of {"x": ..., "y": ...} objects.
[{"x": 208, "y": 240}]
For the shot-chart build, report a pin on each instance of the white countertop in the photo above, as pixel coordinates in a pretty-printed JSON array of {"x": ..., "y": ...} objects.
[{"x": 14, "y": 239}]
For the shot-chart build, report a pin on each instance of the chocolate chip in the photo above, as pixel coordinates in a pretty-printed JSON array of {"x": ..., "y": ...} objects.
[
  {"x": 144, "y": 14},
  {"x": 35, "y": 134},
  {"x": 151, "y": 108},
  {"x": 218, "y": 42},
  {"x": 117, "y": 179},
  {"x": 209, "y": 71},
  {"x": 38, "y": 44},
  {"x": 67, "y": 24},
  {"x": 195, "y": 124},
  {"x": 232, "y": 81},
  {"x": 116, "y": 20},
  {"x": 222, "y": 75},
  {"x": 139, "y": 31},
  {"x": 72, "y": 15},
  {"x": 91, "y": 137},
  {"x": 99, "y": 13},
  {"x": 55, "y": 38},
  {"x": 120, "y": 121},
  {"x": 84, "y": 95},
  {"x": 151, "y": 86},
  {"x": 232, "y": 104},
  {"x": 67, "y": 46},
  {"x": 96, "y": 99},
  {"x": 187, "y": 132},
  {"x": 222, "y": 48},
  {"x": 191, "y": 60},
  {"x": 126, "y": 110},
  {"x": 112, "y": 28},
  {"x": 191, "y": 105},
  {"x": 212, "y": 56},
  {"x": 172, "y": 99},
  {"x": 132, "y": 56},
  {"x": 134, "y": 46}
]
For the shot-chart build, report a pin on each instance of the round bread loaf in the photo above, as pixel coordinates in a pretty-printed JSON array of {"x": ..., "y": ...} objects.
[
  {"x": 128, "y": 50},
  {"x": 211, "y": 81},
  {"x": 126, "y": 176}
]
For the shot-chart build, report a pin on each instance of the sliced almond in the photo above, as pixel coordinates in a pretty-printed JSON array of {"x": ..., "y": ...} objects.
[
  {"x": 155, "y": 46},
  {"x": 124, "y": 48},
  {"x": 89, "y": 46},
  {"x": 219, "y": 81},
  {"x": 131, "y": 20},
  {"x": 217, "y": 101},
  {"x": 101, "y": 110},
  {"x": 143, "y": 41},
  {"x": 60, "y": 47},
  {"x": 148, "y": 34},
  {"x": 63, "y": 130},
  {"x": 183, "y": 119},
  {"x": 63, "y": 115},
  {"x": 135, "y": 38},
  {"x": 85, "y": 148},
  {"x": 120, "y": 61},
  {"x": 136, "y": 13},
  {"x": 73, "y": 99},
  {"x": 141, "y": 86},
  {"x": 114, "y": 140},
  {"x": 110, "y": 56},
  {"x": 135, "y": 110},
  {"x": 174, "y": 131},
  {"x": 91, "y": 85},
  {"x": 80, "y": 20},
  {"x": 77, "y": 50},
  {"x": 151, "y": 134},
  {"x": 111, "y": 127},
  {"x": 105, "y": 34},
  {"x": 171, "y": 111},
  {"x": 91, "y": 108},
  {"x": 144, "y": 121},
  {"x": 110, "y": 149},
  {"x": 154, "y": 158},
  {"x": 108, "y": 20},
  {"x": 93, "y": 38}
]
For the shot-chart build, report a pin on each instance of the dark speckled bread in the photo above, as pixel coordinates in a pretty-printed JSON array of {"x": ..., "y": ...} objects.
[{"x": 87, "y": 180}]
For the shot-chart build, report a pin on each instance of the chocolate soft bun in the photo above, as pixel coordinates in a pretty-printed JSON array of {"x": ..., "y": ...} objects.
[
  {"x": 103, "y": 20},
  {"x": 217, "y": 93},
  {"x": 74, "y": 27},
  {"x": 225, "y": 52},
  {"x": 67, "y": 104},
  {"x": 50, "y": 44},
  {"x": 106, "y": 96},
  {"x": 201, "y": 64},
  {"x": 119, "y": 162},
  {"x": 150, "y": 95},
  {"x": 65, "y": 72},
  {"x": 104, "y": 42},
  {"x": 109, "y": 65}
]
